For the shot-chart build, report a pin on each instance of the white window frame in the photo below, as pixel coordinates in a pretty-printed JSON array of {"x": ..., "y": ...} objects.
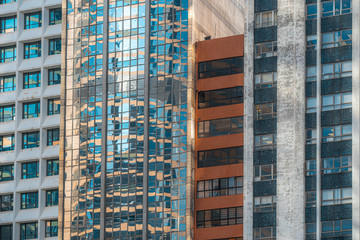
[
  {"x": 259, "y": 49},
  {"x": 260, "y": 177},
  {"x": 259, "y": 23}
]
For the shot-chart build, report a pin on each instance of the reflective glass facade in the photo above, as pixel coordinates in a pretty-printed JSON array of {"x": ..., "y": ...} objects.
[
  {"x": 142, "y": 126},
  {"x": 126, "y": 120}
]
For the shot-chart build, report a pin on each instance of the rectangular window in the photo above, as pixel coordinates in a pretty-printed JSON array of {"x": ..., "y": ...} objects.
[
  {"x": 29, "y": 200},
  {"x": 311, "y": 230},
  {"x": 8, "y": 24},
  {"x": 31, "y": 110},
  {"x": 337, "y": 229},
  {"x": 52, "y": 167},
  {"x": 310, "y": 167},
  {"x": 336, "y": 196},
  {"x": 265, "y": 233},
  {"x": 53, "y": 106},
  {"x": 337, "y": 70},
  {"x": 221, "y": 67},
  {"x": 32, "y": 20},
  {"x": 32, "y": 79},
  {"x": 55, "y": 16},
  {"x": 52, "y": 198},
  {"x": 7, "y": 1},
  {"x": 219, "y": 127},
  {"x": 51, "y": 228},
  {"x": 337, "y": 38},
  {"x": 219, "y": 217},
  {"x": 266, "y": 49},
  {"x": 32, "y": 50},
  {"x": 7, "y": 113},
  {"x": 266, "y": 19},
  {"x": 220, "y": 157},
  {"x": 30, "y": 140},
  {"x": 311, "y": 199},
  {"x": 221, "y": 97},
  {"x": 6, "y": 173},
  {"x": 53, "y": 136},
  {"x": 311, "y": 72},
  {"x": 7, "y": 83},
  {"x": 30, "y": 170},
  {"x": 336, "y": 164},
  {"x": 311, "y": 11},
  {"x": 265, "y": 111},
  {"x": 311, "y": 136},
  {"x": 7, "y": 143},
  {"x": 336, "y": 101},
  {"x": 28, "y": 230},
  {"x": 6, "y": 230},
  {"x": 54, "y": 46},
  {"x": 311, "y": 42},
  {"x": 311, "y": 105},
  {"x": 7, "y": 54},
  {"x": 336, "y": 133},
  {"x": 266, "y": 141},
  {"x": 336, "y": 7},
  {"x": 54, "y": 76},
  {"x": 265, "y": 80},
  {"x": 265, "y": 172},
  {"x": 219, "y": 187},
  {"x": 6, "y": 203},
  {"x": 265, "y": 204}
]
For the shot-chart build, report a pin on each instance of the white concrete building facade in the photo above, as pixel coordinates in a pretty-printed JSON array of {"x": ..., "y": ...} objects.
[{"x": 30, "y": 59}]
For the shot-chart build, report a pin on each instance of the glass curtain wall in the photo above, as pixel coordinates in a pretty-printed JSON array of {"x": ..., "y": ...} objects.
[{"x": 168, "y": 119}]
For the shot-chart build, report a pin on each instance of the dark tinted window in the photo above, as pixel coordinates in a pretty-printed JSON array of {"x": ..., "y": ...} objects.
[
  {"x": 221, "y": 97},
  {"x": 219, "y": 217},
  {"x": 219, "y": 127},
  {"x": 221, "y": 67},
  {"x": 218, "y": 157}
]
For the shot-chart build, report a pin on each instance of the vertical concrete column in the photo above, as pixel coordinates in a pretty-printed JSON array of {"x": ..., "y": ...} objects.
[
  {"x": 191, "y": 96},
  {"x": 248, "y": 120},
  {"x": 356, "y": 121},
  {"x": 290, "y": 207}
]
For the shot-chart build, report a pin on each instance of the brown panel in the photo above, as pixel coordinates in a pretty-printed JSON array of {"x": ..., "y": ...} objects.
[
  {"x": 220, "y": 48},
  {"x": 219, "y": 232},
  {"x": 233, "y": 170},
  {"x": 228, "y": 111},
  {"x": 232, "y": 140},
  {"x": 219, "y": 202},
  {"x": 227, "y": 81}
]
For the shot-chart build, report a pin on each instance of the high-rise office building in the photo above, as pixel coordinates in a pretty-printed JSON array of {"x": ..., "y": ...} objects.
[
  {"x": 128, "y": 129},
  {"x": 301, "y": 119},
  {"x": 218, "y": 202},
  {"x": 30, "y": 60},
  {"x": 166, "y": 136}
]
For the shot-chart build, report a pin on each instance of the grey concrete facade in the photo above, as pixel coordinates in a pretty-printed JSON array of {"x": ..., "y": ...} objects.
[
  {"x": 248, "y": 120},
  {"x": 19, "y": 125},
  {"x": 290, "y": 209}
]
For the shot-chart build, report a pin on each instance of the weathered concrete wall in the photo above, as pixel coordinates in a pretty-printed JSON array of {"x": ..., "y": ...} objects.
[
  {"x": 217, "y": 18},
  {"x": 206, "y": 18},
  {"x": 356, "y": 122},
  {"x": 248, "y": 120},
  {"x": 290, "y": 212}
]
